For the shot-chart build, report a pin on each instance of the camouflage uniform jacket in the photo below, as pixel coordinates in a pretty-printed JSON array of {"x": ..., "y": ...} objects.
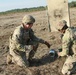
[
  {"x": 21, "y": 36},
  {"x": 68, "y": 41}
]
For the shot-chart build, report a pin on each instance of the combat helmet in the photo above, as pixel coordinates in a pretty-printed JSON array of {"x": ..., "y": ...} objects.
[
  {"x": 28, "y": 19},
  {"x": 61, "y": 24}
]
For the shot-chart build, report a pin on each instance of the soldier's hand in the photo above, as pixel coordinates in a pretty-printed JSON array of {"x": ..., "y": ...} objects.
[
  {"x": 58, "y": 53},
  {"x": 48, "y": 45}
]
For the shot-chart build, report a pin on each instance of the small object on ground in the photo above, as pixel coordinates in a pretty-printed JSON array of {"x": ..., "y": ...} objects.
[{"x": 52, "y": 53}]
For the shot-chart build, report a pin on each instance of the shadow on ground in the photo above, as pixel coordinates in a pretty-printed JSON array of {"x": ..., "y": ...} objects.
[{"x": 44, "y": 60}]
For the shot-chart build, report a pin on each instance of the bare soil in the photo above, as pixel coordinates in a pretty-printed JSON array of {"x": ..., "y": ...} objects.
[{"x": 42, "y": 64}]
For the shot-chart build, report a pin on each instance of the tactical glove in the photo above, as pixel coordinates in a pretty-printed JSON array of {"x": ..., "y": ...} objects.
[{"x": 46, "y": 43}]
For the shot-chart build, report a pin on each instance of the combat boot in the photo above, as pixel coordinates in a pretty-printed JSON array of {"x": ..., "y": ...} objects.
[{"x": 9, "y": 59}]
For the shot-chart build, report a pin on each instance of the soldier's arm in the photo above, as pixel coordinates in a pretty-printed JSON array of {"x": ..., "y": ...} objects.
[
  {"x": 34, "y": 38},
  {"x": 17, "y": 38},
  {"x": 66, "y": 41}
]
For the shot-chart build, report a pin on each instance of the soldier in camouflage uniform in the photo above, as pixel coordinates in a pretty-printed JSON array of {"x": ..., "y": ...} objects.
[
  {"x": 21, "y": 40},
  {"x": 68, "y": 47}
]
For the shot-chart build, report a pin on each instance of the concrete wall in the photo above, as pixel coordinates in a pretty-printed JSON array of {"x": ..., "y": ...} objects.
[{"x": 57, "y": 10}]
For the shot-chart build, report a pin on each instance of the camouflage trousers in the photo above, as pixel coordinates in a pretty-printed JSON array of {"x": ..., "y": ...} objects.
[
  {"x": 19, "y": 57},
  {"x": 69, "y": 66}
]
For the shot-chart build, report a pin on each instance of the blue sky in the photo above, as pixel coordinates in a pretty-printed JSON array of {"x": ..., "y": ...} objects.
[{"x": 14, "y": 4}]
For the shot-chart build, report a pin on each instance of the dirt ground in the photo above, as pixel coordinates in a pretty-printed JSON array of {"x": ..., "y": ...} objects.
[{"x": 46, "y": 65}]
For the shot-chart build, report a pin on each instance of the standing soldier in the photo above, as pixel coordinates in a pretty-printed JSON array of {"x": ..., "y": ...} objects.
[
  {"x": 23, "y": 38},
  {"x": 68, "y": 47}
]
